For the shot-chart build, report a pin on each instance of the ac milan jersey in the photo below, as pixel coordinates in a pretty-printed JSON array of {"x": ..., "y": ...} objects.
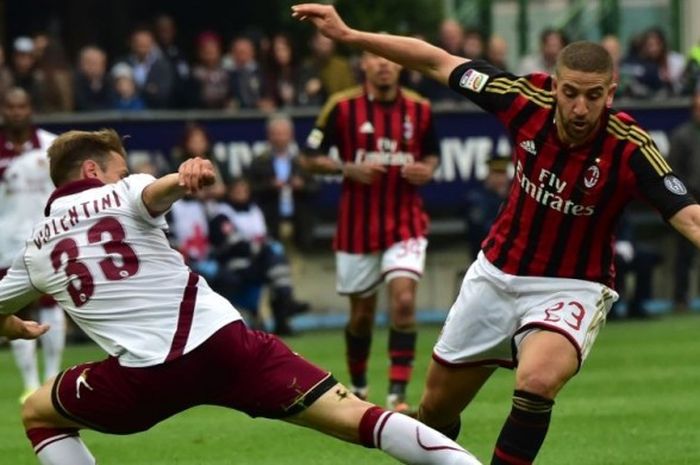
[
  {"x": 394, "y": 134},
  {"x": 24, "y": 188},
  {"x": 564, "y": 204},
  {"x": 107, "y": 262}
]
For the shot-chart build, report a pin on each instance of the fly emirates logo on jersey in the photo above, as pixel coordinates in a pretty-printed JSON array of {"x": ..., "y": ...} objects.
[
  {"x": 547, "y": 189},
  {"x": 75, "y": 214},
  {"x": 386, "y": 154}
]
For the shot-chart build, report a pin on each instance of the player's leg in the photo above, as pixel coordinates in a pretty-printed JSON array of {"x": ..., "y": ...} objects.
[
  {"x": 402, "y": 339},
  {"x": 557, "y": 332},
  {"x": 358, "y": 276},
  {"x": 547, "y": 360},
  {"x": 53, "y": 341},
  {"x": 448, "y": 391},
  {"x": 358, "y": 341},
  {"x": 340, "y": 414},
  {"x": 402, "y": 266},
  {"x": 24, "y": 353},
  {"x": 55, "y": 439}
]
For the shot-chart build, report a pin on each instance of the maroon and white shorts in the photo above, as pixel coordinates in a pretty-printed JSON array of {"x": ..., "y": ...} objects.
[{"x": 239, "y": 368}]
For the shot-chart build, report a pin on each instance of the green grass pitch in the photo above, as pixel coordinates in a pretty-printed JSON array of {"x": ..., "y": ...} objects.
[{"x": 636, "y": 402}]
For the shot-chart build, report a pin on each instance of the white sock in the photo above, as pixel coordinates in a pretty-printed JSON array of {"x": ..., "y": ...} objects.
[
  {"x": 53, "y": 342},
  {"x": 410, "y": 441},
  {"x": 64, "y": 451},
  {"x": 24, "y": 352}
]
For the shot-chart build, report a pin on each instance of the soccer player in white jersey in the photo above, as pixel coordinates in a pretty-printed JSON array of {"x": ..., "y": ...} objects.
[
  {"x": 24, "y": 187},
  {"x": 173, "y": 343}
]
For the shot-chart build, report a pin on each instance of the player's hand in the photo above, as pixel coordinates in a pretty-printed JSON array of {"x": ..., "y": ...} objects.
[
  {"x": 196, "y": 173},
  {"x": 417, "y": 173},
  {"x": 13, "y": 327},
  {"x": 364, "y": 173},
  {"x": 324, "y": 17}
]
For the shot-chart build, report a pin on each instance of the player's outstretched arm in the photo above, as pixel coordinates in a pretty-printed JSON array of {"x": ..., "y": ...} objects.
[
  {"x": 193, "y": 175},
  {"x": 687, "y": 222},
  {"x": 409, "y": 52},
  {"x": 13, "y": 327}
]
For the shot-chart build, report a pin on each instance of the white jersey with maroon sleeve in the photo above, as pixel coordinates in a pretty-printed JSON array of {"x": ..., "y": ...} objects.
[
  {"x": 24, "y": 189},
  {"x": 107, "y": 262}
]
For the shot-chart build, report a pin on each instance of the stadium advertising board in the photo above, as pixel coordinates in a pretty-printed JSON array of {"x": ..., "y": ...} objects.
[{"x": 467, "y": 140}]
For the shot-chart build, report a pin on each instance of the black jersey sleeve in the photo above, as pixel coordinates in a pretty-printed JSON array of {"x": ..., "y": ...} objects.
[
  {"x": 430, "y": 144},
  {"x": 487, "y": 86},
  {"x": 323, "y": 136},
  {"x": 656, "y": 181}
]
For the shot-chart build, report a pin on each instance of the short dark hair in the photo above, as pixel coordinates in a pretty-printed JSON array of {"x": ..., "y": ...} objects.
[
  {"x": 588, "y": 57},
  {"x": 68, "y": 152}
]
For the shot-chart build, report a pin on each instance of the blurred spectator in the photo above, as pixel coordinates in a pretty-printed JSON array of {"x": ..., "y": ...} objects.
[
  {"x": 282, "y": 189},
  {"x": 684, "y": 156},
  {"x": 451, "y": 36},
  {"x": 473, "y": 44},
  {"x": 612, "y": 44},
  {"x": 247, "y": 257},
  {"x": 638, "y": 259},
  {"x": 151, "y": 71},
  {"x": 197, "y": 143},
  {"x": 282, "y": 74},
  {"x": 655, "y": 71},
  {"x": 247, "y": 81},
  {"x": 126, "y": 97},
  {"x": 210, "y": 83},
  {"x": 324, "y": 72},
  {"x": 484, "y": 203},
  {"x": 53, "y": 75},
  {"x": 497, "y": 52},
  {"x": 551, "y": 43},
  {"x": 6, "y": 79},
  {"x": 166, "y": 36},
  {"x": 691, "y": 74},
  {"x": 429, "y": 88},
  {"x": 94, "y": 89},
  {"x": 23, "y": 67}
]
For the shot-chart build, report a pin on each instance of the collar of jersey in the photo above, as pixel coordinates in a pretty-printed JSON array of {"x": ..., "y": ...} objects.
[{"x": 72, "y": 188}]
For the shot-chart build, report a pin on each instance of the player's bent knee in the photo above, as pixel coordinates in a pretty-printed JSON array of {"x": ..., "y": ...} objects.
[{"x": 543, "y": 384}]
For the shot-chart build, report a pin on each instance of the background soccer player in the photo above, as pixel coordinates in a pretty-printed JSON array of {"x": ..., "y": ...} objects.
[
  {"x": 539, "y": 291},
  {"x": 387, "y": 148},
  {"x": 173, "y": 343},
  {"x": 24, "y": 187}
]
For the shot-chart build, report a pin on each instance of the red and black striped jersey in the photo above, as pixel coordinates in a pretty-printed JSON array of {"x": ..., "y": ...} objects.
[
  {"x": 372, "y": 217},
  {"x": 560, "y": 217}
]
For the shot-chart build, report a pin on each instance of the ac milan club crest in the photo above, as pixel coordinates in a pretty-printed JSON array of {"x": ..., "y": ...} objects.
[{"x": 591, "y": 177}]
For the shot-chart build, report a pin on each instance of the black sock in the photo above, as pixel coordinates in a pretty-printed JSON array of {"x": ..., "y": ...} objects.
[
  {"x": 357, "y": 353},
  {"x": 524, "y": 431},
  {"x": 402, "y": 348}
]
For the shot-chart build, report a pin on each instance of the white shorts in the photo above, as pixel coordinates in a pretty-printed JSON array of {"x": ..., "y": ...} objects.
[
  {"x": 495, "y": 311},
  {"x": 361, "y": 274}
]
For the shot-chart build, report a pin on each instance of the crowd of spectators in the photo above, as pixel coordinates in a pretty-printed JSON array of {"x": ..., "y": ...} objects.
[{"x": 267, "y": 73}]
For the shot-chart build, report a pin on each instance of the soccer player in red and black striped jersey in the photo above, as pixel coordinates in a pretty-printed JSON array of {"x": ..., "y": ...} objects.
[
  {"x": 387, "y": 147},
  {"x": 539, "y": 291}
]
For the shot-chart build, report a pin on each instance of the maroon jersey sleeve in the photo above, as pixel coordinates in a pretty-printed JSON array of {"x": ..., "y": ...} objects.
[
  {"x": 323, "y": 136},
  {"x": 656, "y": 182},
  {"x": 495, "y": 90}
]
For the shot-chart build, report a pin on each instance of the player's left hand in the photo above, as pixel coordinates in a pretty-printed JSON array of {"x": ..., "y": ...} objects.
[
  {"x": 196, "y": 173},
  {"x": 417, "y": 173},
  {"x": 324, "y": 17},
  {"x": 13, "y": 327}
]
